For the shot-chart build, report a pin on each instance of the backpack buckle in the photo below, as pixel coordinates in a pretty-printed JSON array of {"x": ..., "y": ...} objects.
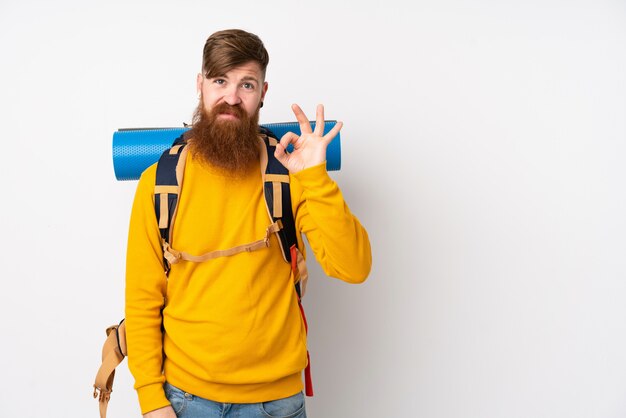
[
  {"x": 171, "y": 255},
  {"x": 102, "y": 394},
  {"x": 275, "y": 227}
]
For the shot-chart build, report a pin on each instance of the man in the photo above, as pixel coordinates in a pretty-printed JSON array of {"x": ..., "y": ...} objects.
[{"x": 226, "y": 336}]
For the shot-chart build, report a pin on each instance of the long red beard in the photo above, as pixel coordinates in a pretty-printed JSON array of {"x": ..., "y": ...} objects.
[{"x": 231, "y": 145}]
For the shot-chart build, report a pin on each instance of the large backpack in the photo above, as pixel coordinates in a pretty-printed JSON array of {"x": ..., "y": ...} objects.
[{"x": 167, "y": 190}]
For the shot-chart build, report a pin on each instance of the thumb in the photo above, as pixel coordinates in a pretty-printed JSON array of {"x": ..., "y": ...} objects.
[{"x": 281, "y": 153}]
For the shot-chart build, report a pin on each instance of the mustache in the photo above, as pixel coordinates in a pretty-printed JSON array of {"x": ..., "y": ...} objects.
[{"x": 225, "y": 108}]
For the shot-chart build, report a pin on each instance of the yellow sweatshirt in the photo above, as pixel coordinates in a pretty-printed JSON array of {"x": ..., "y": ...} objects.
[{"x": 233, "y": 331}]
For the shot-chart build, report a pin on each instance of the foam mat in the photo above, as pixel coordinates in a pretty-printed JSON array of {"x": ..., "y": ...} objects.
[{"x": 136, "y": 149}]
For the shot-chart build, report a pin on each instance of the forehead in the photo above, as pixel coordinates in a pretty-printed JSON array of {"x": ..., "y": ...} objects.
[{"x": 249, "y": 70}]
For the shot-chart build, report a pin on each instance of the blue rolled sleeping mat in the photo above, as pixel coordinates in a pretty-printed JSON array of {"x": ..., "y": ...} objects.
[{"x": 134, "y": 150}]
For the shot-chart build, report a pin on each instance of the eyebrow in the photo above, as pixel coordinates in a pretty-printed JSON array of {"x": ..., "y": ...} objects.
[
  {"x": 246, "y": 78},
  {"x": 250, "y": 78}
]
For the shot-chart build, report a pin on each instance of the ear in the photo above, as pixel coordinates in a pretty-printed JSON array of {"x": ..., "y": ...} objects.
[
  {"x": 264, "y": 90},
  {"x": 199, "y": 80}
]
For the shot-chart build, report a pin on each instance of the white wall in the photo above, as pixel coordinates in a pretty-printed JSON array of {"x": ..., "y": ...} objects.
[{"x": 483, "y": 148}]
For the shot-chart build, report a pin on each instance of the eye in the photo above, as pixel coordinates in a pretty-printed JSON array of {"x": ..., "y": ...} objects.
[
  {"x": 219, "y": 81},
  {"x": 248, "y": 86}
]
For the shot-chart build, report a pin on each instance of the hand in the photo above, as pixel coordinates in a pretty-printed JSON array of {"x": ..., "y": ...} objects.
[
  {"x": 165, "y": 412},
  {"x": 309, "y": 149}
]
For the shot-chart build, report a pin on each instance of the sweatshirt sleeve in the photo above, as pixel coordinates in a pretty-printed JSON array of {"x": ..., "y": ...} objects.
[
  {"x": 338, "y": 240},
  {"x": 145, "y": 294}
]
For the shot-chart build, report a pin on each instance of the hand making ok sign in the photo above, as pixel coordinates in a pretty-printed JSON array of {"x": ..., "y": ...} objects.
[{"x": 309, "y": 149}]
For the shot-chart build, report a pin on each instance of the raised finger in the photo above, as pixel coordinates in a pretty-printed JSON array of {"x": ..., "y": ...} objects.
[
  {"x": 319, "y": 120},
  {"x": 333, "y": 132},
  {"x": 305, "y": 125}
]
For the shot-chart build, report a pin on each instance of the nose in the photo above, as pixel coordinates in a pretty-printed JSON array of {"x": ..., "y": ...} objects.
[{"x": 231, "y": 96}]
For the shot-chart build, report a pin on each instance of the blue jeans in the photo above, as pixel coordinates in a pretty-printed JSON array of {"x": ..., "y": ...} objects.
[{"x": 187, "y": 405}]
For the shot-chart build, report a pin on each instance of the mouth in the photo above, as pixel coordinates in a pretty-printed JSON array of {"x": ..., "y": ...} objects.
[{"x": 228, "y": 116}]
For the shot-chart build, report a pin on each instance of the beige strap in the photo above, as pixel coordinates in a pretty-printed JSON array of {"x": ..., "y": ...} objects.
[
  {"x": 162, "y": 191},
  {"x": 277, "y": 180},
  {"x": 164, "y": 215},
  {"x": 303, "y": 272},
  {"x": 174, "y": 149},
  {"x": 273, "y": 141},
  {"x": 283, "y": 178},
  {"x": 180, "y": 171},
  {"x": 263, "y": 159},
  {"x": 173, "y": 256},
  {"x": 278, "y": 199},
  {"x": 166, "y": 189},
  {"x": 111, "y": 358}
]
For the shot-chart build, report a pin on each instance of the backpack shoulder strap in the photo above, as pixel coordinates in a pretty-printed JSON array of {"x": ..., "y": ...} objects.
[
  {"x": 167, "y": 189},
  {"x": 277, "y": 192}
]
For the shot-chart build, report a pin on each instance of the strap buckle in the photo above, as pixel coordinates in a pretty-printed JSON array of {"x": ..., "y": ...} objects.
[
  {"x": 171, "y": 255},
  {"x": 275, "y": 227},
  {"x": 103, "y": 395}
]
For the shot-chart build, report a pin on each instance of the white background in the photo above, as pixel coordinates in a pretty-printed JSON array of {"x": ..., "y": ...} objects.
[{"x": 483, "y": 149}]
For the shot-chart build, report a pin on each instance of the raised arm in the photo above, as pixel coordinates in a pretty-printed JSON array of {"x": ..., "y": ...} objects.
[{"x": 339, "y": 241}]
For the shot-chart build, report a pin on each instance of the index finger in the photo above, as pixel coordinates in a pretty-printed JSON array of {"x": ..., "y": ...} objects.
[{"x": 305, "y": 125}]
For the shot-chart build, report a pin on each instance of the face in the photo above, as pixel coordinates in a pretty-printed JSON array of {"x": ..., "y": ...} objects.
[{"x": 243, "y": 86}]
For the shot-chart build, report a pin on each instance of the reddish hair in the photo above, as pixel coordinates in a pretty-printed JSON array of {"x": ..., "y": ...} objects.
[{"x": 227, "y": 49}]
